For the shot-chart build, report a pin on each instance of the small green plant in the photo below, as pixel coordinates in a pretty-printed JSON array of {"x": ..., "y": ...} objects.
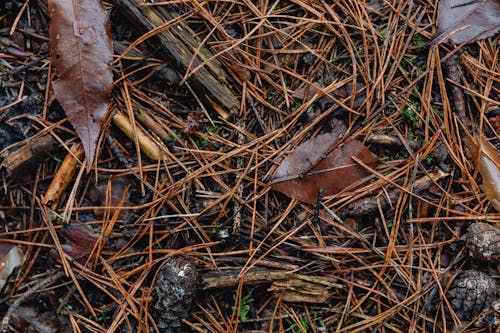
[
  {"x": 438, "y": 109},
  {"x": 428, "y": 159},
  {"x": 302, "y": 326},
  {"x": 418, "y": 40},
  {"x": 171, "y": 137},
  {"x": 298, "y": 104},
  {"x": 383, "y": 34},
  {"x": 245, "y": 306},
  {"x": 103, "y": 316},
  {"x": 66, "y": 309},
  {"x": 410, "y": 113}
]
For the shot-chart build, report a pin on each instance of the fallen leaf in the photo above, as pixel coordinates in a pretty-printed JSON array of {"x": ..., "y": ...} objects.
[
  {"x": 11, "y": 256},
  {"x": 81, "y": 53},
  {"x": 312, "y": 166},
  {"x": 118, "y": 192},
  {"x": 467, "y": 20},
  {"x": 80, "y": 241},
  {"x": 487, "y": 160}
]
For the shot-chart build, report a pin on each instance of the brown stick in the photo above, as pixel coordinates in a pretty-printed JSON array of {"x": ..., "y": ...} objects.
[
  {"x": 33, "y": 152},
  {"x": 456, "y": 92},
  {"x": 148, "y": 146},
  {"x": 63, "y": 176},
  {"x": 370, "y": 205}
]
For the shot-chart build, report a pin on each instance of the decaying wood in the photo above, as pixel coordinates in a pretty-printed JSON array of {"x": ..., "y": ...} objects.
[
  {"x": 299, "y": 290},
  {"x": 63, "y": 176},
  {"x": 166, "y": 73},
  {"x": 148, "y": 146},
  {"x": 34, "y": 151},
  {"x": 370, "y": 205},
  {"x": 179, "y": 44},
  {"x": 291, "y": 287}
]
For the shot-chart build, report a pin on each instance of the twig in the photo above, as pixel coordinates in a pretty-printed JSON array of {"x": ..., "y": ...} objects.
[{"x": 28, "y": 293}]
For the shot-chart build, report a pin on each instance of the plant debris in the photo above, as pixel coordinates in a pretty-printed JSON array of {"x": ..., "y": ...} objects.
[
  {"x": 467, "y": 21},
  {"x": 307, "y": 170},
  {"x": 81, "y": 53},
  {"x": 487, "y": 161},
  {"x": 303, "y": 162}
]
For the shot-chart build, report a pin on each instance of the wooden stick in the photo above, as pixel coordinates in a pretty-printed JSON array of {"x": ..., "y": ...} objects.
[
  {"x": 151, "y": 123},
  {"x": 63, "y": 176},
  {"x": 148, "y": 146}
]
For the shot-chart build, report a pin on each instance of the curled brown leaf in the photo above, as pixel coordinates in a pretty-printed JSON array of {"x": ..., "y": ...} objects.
[{"x": 487, "y": 160}]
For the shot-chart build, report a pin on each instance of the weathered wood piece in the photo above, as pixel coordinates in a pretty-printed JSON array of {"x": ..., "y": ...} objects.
[
  {"x": 291, "y": 287},
  {"x": 178, "y": 43},
  {"x": 34, "y": 151}
]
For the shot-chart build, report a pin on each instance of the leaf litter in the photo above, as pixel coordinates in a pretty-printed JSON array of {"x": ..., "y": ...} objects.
[
  {"x": 313, "y": 165},
  {"x": 81, "y": 54},
  {"x": 467, "y": 21},
  {"x": 396, "y": 237},
  {"x": 487, "y": 161}
]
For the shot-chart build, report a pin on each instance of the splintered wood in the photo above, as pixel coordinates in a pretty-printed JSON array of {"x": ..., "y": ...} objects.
[{"x": 291, "y": 287}]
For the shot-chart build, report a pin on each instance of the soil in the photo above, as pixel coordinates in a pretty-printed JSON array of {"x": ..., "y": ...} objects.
[{"x": 111, "y": 249}]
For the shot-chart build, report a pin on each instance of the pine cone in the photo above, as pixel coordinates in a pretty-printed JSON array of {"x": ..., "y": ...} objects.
[
  {"x": 471, "y": 292},
  {"x": 483, "y": 242},
  {"x": 490, "y": 316},
  {"x": 173, "y": 292}
]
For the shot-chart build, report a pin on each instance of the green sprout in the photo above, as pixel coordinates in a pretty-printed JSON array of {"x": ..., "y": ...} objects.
[
  {"x": 103, "y": 316},
  {"x": 418, "y": 40},
  {"x": 245, "y": 306},
  {"x": 410, "y": 112},
  {"x": 302, "y": 326},
  {"x": 383, "y": 34}
]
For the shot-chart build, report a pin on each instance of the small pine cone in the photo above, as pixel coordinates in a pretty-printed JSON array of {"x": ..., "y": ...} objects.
[
  {"x": 471, "y": 292},
  {"x": 173, "y": 293},
  {"x": 490, "y": 316},
  {"x": 483, "y": 242}
]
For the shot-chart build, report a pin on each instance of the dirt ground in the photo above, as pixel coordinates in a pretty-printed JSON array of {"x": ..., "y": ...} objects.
[{"x": 179, "y": 224}]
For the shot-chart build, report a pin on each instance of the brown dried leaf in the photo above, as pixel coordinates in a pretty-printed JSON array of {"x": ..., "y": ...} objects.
[
  {"x": 487, "y": 160},
  {"x": 81, "y": 52},
  {"x": 466, "y": 20},
  {"x": 80, "y": 241},
  {"x": 333, "y": 173}
]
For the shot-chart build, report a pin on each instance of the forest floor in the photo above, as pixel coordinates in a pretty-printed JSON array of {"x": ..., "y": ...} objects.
[{"x": 179, "y": 225}]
